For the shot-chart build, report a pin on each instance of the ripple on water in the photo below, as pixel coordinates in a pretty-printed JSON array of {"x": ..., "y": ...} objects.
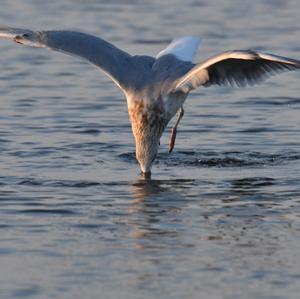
[
  {"x": 253, "y": 182},
  {"x": 61, "y": 183},
  {"x": 219, "y": 159},
  {"x": 228, "y": 159},
  {"x": 270, "y": 101}
]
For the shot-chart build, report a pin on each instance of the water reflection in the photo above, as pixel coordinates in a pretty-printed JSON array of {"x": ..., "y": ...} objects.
[
  {"x": 156, "y": 226},
  {"x": 154, "y": 211},
  {"x": 147, "y": 187}
]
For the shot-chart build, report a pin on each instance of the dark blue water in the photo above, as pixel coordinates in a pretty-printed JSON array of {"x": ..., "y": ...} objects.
[{"x": 220, "y": 217}]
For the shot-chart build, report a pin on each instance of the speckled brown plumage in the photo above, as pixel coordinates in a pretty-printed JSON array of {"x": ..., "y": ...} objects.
[{"x": 148, "y": 123}]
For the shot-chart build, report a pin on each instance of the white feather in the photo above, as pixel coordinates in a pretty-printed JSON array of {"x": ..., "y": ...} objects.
[{"x": 183, "y": 48}]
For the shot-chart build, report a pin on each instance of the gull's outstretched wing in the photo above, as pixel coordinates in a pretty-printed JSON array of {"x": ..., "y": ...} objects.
[
  {"x": 235, "y": 68},
  {"x": 113, "y": 61},
  {"x": 183, "y": 48}
]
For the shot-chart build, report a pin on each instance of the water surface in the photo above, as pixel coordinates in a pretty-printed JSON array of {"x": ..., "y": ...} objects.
[{"x": 220, "y": 217}]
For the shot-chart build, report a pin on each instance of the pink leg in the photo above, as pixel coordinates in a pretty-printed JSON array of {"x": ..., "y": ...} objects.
[{"x": 174, "y": 129}]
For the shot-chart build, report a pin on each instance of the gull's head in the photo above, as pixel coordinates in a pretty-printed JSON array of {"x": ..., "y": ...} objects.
[
  {"x": 147, "y": 123},
  {"x": 146, "y": 151}
]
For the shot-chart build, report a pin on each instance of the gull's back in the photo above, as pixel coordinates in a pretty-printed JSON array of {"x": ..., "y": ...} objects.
[
  {"x": 156, "y": 74},
  {"x": 160, "y": 73}
]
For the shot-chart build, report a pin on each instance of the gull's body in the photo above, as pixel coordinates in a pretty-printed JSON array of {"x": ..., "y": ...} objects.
[{"x": 156, "y": 88}]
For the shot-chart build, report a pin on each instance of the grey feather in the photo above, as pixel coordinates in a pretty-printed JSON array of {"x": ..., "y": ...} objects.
[{"x": 113, "y": 61}]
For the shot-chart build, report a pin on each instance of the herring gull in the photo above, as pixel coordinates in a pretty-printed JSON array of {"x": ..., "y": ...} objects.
[{"x": 157, "y": 87}]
